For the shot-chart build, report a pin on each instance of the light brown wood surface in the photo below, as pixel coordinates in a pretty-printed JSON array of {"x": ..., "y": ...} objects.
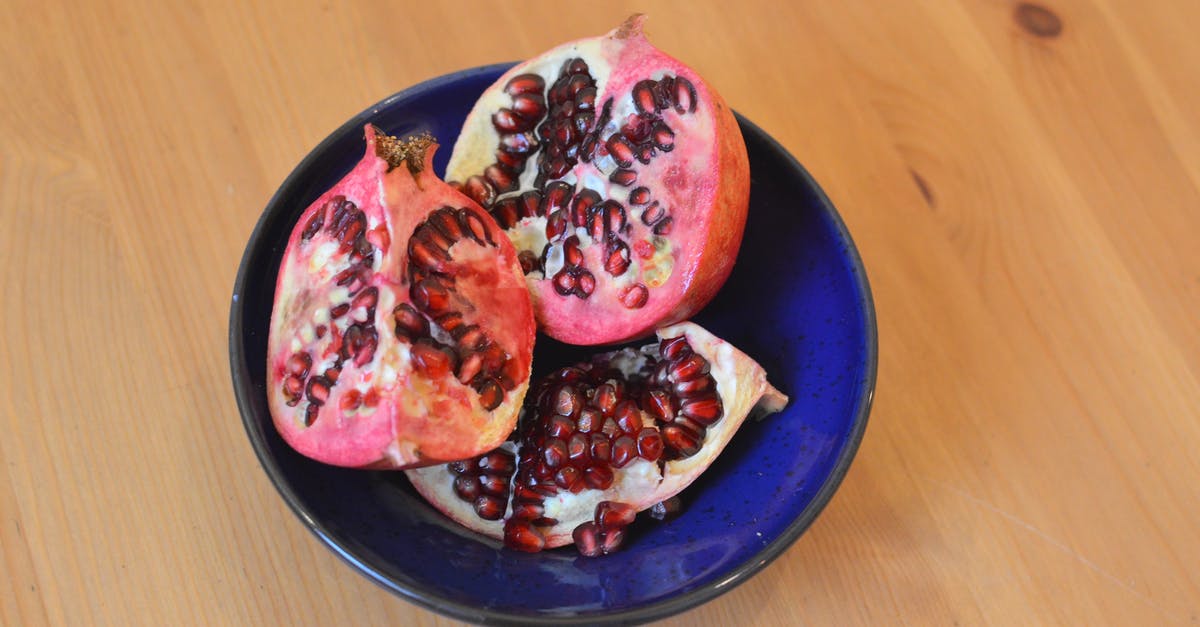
[{"x": 1023, "y": 185}]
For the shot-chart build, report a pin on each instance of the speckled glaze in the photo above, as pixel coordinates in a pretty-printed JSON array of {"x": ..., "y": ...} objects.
[{"x": 797, "y": 302}]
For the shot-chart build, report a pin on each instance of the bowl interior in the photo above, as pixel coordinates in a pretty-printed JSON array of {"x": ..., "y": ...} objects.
[{"x": 797, "y": 302}]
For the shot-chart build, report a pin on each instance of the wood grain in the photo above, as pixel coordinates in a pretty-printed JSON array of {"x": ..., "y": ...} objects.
[{"x": 1023, "y": 182}]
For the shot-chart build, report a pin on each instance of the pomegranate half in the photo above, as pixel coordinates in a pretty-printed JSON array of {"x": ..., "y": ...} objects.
[
  {"x": 402, "y": 333},
  {"x": 620, "y": 175},
  {"x": 602, "y": 440}
]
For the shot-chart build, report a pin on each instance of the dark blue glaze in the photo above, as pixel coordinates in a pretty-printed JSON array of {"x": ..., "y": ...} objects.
[{"x": 797, "y": 302}]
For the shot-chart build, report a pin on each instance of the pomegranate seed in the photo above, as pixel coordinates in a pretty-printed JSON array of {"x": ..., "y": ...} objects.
[
  {"x": 569, "y": 478},
  {"x": 685, "y": 95},
  {"x": 318, "y": 390},
  {"x": 620, "y": 150},
  {"x": 426, "y": 254},
  {"x": 643, "y": 96},
  {"x": 445, "y": 220},
  {"x": 499, "y": 462},
  {"x": 585, "y": 100},
  {"x": 680, "y": 441},
  {"x": 507, "y": 121},
  {"x": 568, "y": 401},
  {"x": 586, "y": 284},
  {"x": 520, "y": 536},
  {"x": 529, "y": 261},
  {"x": 350, "y": 400},
  {"x": 530, "y": 106},
  {"x": 505, "y": 213},
  {"x": 623, "y": 177},
  {"x": 700, "y": 386},
  {"x": 556, "y": 225},
  {"x": 624, "y": 449},
  {"x": 525, "y": 84},
  {"x": 430, "y": 360},
  {"x": 589, "y": 420},
  {"x": 611, "y": 540},
  {"x": 470, "y": 366},
  {"x": 467, "y": 487},
  {"x": 598, "y": 477},
  {"x": 564, "y": 283},
  {"x": 703, "y": 411},
  {"x": 653, "y": 213},
  {"x": 366, "y": 351},
  {"x": 332, "y": 375},
  {"x": 458, "y": 467},
  {"x": 644, "y": 249},
  {"x": 601, "y": 447},
  {"x": 605, "y": 398},
  {"x": 614, "y": 216},
  {"x": 293, "y": 389},
  {"x": 409, "y": 324},
  {"x": 448, "y": 321},
  {"x": 489, "y": 507},
  {"x": 595, "y": 223},
  {"x": 430, "y": 295},
  {"x": 628, "y": 417},
  {"x": 480, "y": 190},
  {"x": 582, "y": 205},
  {"x": 659, "y": 404},
  {"x": 577, "y": 448},
  {"x": 501, "y": 177},
  {"x": 557, "y": 195},
  {"x": 645, "y": 153},
  {"x": 688, "y": 368},
  {"x": 471, "y": 338},
  {"x": 321, "y": 330},
  {"x": 494, "y": 485},
  {"x": 612, "y": 514},
  {"x": 490, "y": 394},
  {"x": 659, "y": 376},
  {"x": 674, "y": 348},
  {"x": 560, "y": 427},
  {"x": 298, "y": 364},
  {"x": 476, "y": 227},
  {"x": 572, "y": 254},
  {"x": 531, "y": 204},
  {"x": 554, "y": 453},
  {"x": 664, "y": 226},
  {"x": 663, "y": 137},
  {"x": 634, "y": 296},
  {"x": 314, "y": 225},
  {"x": 649, "y": 444},
  {"x": 587, "y": 539},
  {"x": 519, "y": 143},
  {"x": 310, "y": 414},
  {"x": 618, "y": 258}
]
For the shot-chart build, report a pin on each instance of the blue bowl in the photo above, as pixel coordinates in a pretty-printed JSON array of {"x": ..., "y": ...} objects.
[{"x": 798, "y": 302}]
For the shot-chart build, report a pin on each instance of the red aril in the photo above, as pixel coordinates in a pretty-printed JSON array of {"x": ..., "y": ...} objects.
[
  {"x": 402, "y": 333},
  {"x": 576, "y": 472},
  {"x": 621, "y": 177}
]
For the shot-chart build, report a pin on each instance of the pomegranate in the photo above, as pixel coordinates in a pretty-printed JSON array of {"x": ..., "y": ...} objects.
[
  {"x": 402, "y": 333},
  {"x": 621, "y": 177},
  {"x": 603, "y": 440}
]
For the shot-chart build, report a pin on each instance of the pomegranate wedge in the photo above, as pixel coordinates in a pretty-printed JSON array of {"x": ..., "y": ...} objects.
[{"x": 603, "y": 440}]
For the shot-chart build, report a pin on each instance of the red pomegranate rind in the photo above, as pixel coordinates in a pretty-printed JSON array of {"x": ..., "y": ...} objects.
[
  {"x": 679, "y": 213},
  {"x": 344, "y": 385},
  {"x": 546, "y": 505}
]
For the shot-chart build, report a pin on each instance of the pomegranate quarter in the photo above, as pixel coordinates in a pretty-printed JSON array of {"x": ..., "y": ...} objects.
[
  {"x": 603, "y": 440},
  {"x": 402, "y": 333},
  {"x": 620, "y": 176}
]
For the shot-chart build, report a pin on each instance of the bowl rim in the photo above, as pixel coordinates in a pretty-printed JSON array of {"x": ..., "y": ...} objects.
[{"x": 429, "y": 599}]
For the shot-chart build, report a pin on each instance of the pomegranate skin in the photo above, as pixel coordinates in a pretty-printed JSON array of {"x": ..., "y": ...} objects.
[
  {"x": 410, "y": 419},
  {"x": 704, "y": 180}
]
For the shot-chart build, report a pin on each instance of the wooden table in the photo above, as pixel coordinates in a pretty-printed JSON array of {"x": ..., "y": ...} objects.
[{"x": 1023, "y": 183}]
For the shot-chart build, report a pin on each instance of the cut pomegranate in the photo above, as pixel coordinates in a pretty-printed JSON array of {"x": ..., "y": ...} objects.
[
  {"x": 600, "y": 441},
  {"x": 621, "y": 177},
  {"x": 402, "y": 333}
]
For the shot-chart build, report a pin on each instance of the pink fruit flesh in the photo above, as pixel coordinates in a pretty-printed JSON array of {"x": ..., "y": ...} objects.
[
  {"x": 621, "y": 177},
  {"x": 579, "y": 464},
  {"x": 363, "y": 368}
]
